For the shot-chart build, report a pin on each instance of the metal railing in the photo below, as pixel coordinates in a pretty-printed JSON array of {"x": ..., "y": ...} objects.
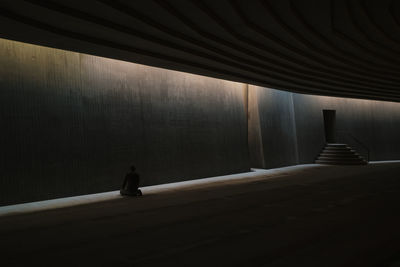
[{"x": 342, "y": 135}]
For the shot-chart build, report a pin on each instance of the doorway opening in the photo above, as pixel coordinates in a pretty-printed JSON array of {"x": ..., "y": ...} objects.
[{"x": 330, "y": 125}]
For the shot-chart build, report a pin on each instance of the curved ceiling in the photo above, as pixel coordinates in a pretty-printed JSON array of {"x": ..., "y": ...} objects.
[{"x": 347, "y": 48}]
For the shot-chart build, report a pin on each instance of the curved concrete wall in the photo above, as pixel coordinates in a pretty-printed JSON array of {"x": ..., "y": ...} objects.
[
  {"x": 72, "y": 124},
  {"x": 271, "y": 112},
  {"x": 376, "y": 124}
]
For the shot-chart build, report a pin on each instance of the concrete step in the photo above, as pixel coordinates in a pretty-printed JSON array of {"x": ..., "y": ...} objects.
[
  {"x": 340, "y": 159},
  {"x": 339, "y": 154},
  {"x": 349, "y": 151},
  {"x": 341, "y": 162},
  {"x": 335, "y": 145},
  {"x": 344, "y": 151},
  {"x": 337, "y": 148}
]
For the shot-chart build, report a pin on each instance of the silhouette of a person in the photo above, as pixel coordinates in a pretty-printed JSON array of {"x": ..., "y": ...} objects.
[{"x": 130, "y": 186}]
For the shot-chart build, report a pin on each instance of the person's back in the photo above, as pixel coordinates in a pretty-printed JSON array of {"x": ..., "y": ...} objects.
[
  {"x": 132, "y": 181},
  {"x": 131, "y": 184}
]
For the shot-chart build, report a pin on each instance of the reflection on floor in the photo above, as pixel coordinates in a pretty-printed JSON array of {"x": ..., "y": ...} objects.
[{"x": 315, "y": 215}]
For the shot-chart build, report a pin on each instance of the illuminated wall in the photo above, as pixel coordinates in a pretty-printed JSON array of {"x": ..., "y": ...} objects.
[
  {"x": 73, "y": 123},
  {"x": 291, "y": 127},
  {"x": 376, "y": 124},
  {"x": 272, "y": 132}
]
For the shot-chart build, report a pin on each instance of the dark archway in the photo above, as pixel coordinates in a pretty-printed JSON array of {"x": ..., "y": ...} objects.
[{"x": 330, "y": 125}]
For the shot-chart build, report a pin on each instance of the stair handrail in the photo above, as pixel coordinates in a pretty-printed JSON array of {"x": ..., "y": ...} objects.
[{"x": 357, "y": 141}]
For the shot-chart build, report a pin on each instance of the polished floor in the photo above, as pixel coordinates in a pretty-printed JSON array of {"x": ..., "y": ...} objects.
[{"x": 315, "y": 216}]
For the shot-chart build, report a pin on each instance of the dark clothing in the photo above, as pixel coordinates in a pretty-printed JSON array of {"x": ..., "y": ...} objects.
[{"x": 131, "y": 182}]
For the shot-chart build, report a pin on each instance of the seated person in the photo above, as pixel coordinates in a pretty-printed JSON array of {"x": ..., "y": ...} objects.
[{"x": 130, "y": 187}]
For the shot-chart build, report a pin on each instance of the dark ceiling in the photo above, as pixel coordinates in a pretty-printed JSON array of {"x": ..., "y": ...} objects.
[{"x": 346, "y": 48}]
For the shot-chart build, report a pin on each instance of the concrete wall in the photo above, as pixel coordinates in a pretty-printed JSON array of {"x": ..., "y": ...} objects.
[
  {"x": 72, "y": 124},
  {"x": 376, "y": 124},
  {"x": 271, "y": 112}
]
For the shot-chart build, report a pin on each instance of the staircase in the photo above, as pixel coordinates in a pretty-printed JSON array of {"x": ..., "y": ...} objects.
[{"x": 339, "y": 154}]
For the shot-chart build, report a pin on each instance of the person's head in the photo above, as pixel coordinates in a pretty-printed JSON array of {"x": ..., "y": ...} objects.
[{"x": 133, "y": 168}]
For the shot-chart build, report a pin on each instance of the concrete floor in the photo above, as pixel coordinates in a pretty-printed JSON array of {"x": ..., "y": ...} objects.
[{"x": 317, "y": 216}]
